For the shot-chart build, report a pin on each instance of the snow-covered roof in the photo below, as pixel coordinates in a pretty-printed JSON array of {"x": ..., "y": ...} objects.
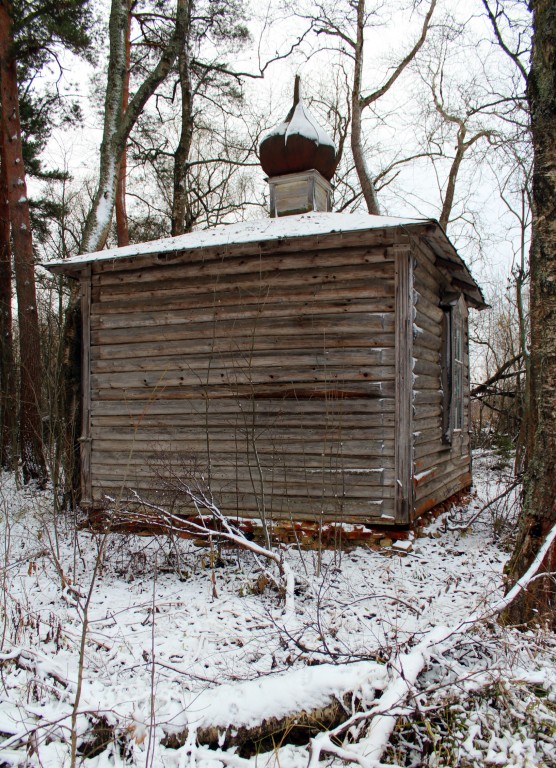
[{"x": 302, "y": 225}]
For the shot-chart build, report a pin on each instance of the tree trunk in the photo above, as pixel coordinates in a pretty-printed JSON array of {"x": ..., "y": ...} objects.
[
  {"x": 365, "y": 180},
  {"x": 448, "y": 202},
  {"x": 98, "y": 221},
  {"x": 117, "y": 126},
  {"x": 33, "y": 463},
  {"x": 8, "y": 401},
  {"x": 117, "y": 123},
  {"x": 538, "y": 515},
  {"x": 122, "y": 227},
  {"x": 180, "y": 221}
]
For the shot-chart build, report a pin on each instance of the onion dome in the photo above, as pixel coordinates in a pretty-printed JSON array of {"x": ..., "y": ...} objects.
[{"x": 298, "y": 144}]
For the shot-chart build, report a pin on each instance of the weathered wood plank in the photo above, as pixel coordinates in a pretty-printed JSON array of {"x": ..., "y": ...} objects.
[
  {"x": 404, "y": 386},
  {"x": 427, "y": 307},
  {"x": 303, "y": 319},
  {"x": 326, "y": 488},
  {"x": 85, "y": 439},
  {"x": 241, "y": 344},
  {"x": 380, "y": 357},
  {"x": 209, "y": 331},
  {"x": 264, "y": 248},
  {"x": 277, "y": 461},
  {"x": 258, "y": 281},
  {"x": 251, "y": 373},
  {"x": 300, "y": 390},
  {"x": 299, "y": 410},
  {"x": 441, "y": 488},
  {"x": 346, "y": 511},
  {"x": 272, "y": 445},
  {"x": 380, "y": 297},
  {"x": 207, "y": 269}
]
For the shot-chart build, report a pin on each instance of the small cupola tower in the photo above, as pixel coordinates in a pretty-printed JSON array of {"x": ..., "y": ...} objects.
[{"x": 299, "y": 158}]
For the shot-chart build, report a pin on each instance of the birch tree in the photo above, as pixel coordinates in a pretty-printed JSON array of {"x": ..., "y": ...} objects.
[
  {"x": 119, "y": 122},
  {"x": 121, "y": 113}
]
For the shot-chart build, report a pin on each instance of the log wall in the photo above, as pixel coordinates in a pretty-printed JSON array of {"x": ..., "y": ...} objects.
[
  {"x": 440, "y": 469},
  {"x": 271, "y": 375}
]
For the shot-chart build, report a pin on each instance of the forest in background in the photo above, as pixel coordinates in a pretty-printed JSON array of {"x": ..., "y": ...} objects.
[
  {"x": 141, "y": 120},
  {"x": 427, "y": 104}
]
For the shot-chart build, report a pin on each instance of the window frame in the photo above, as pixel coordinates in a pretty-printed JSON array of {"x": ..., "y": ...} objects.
[{"x": 453, "y": 366}]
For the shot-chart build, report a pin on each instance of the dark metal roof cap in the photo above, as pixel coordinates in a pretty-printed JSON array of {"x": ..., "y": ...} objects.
[{"x": 298, "y": 144}]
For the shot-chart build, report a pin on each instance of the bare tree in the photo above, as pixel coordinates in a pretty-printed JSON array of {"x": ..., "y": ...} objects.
[{"x": 336, "y": 22}]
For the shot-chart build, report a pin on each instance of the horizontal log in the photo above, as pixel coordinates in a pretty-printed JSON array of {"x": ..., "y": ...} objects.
[
  {"x": 321, "y": 431},
  {"x": 296, "y": 508},
  {"x": 432, "y": 421},
  {"x": 301, "y": 390},
  {"x": 272, "y": 445},
  {"x": 423, "y": 367},
  {"x": 426, "y": 263},
  {"x": 305, "y": 319},
  {"x": 254, "y": 281},
  {"x": 432, "y": 435},
  {"x": 272, "y": 357},
  {"x": 252, "y": 375},
  {"x": 422, "y": 338},
  {"x": 297, "y": 409},
  {"x": 422, "y": 382},
  {"x": 207, "y": 268},
  {"x": 265, "y": 248},
  {"x": 426, "y": 291},
  {"x": 443, "y": 455},
  {"x": 240, "y": 345},
  {"x": 422, "y": 321},
  {"x": 336, "y": 470},
  {"x": 325, "y": 489},
  {"x": 341, "y": 424},
  {"x": 441, "y": 488},
  {"x": 212, "y": 456},
  {"x": 427, "y": 307},
  {"x": 379, "y": 297},
  {"x": 426, "y": 413},
  {"x": 430, "y": 355},
  {"x": 426, "y": 397},
  {"x": 248, "y": 330}
]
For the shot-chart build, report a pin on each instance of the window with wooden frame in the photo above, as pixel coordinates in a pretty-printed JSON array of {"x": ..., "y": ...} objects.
[{"x": 453, "y": 359}]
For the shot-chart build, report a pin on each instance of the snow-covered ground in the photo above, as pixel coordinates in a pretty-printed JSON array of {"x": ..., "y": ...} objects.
[{"x": 181, "y": 647}]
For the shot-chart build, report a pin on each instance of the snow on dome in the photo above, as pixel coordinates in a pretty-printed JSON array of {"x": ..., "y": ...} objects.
[{"x": 298, "y": 144}]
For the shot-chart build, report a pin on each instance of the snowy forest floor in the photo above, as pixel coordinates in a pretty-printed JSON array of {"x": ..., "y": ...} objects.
[{"x": 137, "y": 653}]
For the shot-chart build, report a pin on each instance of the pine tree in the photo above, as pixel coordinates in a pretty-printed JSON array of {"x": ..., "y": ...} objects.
[{"x": 29, "y": 33}]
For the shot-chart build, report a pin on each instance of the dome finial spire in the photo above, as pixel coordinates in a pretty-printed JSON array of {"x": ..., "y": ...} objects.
[
  {"x": 297, "y": 90},
  {"x": 298, "y": 143}
]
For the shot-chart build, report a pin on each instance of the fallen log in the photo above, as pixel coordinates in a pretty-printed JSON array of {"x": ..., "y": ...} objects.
[{"x": 290, "y": 707}]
